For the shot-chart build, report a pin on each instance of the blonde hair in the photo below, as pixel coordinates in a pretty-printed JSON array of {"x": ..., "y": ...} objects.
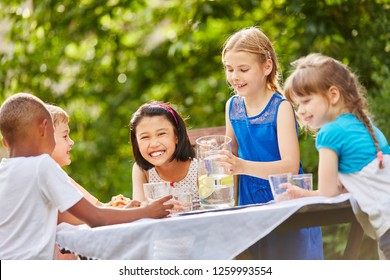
[
  {"x": 17, "y": 113},
  {"x": 253, "y": 40},
  {"x": 57, "y": 114},
  {"x": 316, "y": 73}
]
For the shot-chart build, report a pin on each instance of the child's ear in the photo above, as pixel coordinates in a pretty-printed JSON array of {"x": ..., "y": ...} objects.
[
  {"x": 44, "y": 127},
  {"x": 268, "y": 67},
  {"x": 334, "y": 95},
  {"x": 5, "y": 144}
]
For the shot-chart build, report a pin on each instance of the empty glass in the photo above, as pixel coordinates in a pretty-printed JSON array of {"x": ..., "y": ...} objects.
[
  {"x": 304, "y": 181},
  {"x": 154, "y": 191},
  {"x": 277, "y": 179}
]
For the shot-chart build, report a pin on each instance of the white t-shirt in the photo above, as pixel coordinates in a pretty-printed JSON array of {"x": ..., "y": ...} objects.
[
  {"x": 32, "y": 190},
  {"x": 370, "y": 196}
]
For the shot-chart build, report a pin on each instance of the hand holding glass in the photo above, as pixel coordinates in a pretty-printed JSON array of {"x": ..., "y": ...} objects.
[
  {"x": 277, "y": 179},
  {"x": 182, "y": 200},
  {"x": 303, "y": 181}
]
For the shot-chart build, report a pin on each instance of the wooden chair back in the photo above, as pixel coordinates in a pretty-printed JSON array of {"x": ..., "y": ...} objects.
[{"x": 194, "y": 134}]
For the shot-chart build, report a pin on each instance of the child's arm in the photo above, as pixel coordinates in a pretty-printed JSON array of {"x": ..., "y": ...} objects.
[
  {"x": 99, "y": 216},
  {"x": 230, "y": 133},
  {"x": 139, "y": 178},
  {"x": 66, "y": 217},
  {"x": 116, "y": 201},
  {"x": 328, "y": 183},
  {"x": 229, "y": 129},
  {"x": 86, "y": 194}
]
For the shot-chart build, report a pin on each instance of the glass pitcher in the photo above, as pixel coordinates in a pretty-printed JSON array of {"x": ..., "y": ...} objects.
[{"x": 215, "y": 186}]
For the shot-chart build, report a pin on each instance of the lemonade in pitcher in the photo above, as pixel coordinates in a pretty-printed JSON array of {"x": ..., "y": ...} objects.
[
  {"x": 214, "y": 196},
  {"x": 215, "y": 186}
]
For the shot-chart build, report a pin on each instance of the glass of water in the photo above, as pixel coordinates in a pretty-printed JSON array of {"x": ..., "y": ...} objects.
[{"x": 184, "y": 199}]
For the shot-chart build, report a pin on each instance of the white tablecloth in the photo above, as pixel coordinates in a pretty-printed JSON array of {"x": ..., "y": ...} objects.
[{"x": 211, "y": 235}]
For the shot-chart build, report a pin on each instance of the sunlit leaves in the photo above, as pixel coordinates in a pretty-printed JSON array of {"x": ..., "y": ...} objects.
[{"x": 102, "y": 59}]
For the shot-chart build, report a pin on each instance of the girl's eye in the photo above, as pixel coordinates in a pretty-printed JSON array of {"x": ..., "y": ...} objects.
[
  {"x": 162, "y": 133},
  {"x": 244, "y": 70},
  {"x": 143, "y": 138}
]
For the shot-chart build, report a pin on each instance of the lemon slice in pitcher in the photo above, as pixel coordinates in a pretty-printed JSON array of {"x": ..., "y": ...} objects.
[
  {"x": 206, "y": 186},
  {"x": 228, "y": 180}
]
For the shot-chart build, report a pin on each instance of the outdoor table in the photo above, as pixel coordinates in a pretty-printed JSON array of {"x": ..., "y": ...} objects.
[{"x": 204, "y": 235}]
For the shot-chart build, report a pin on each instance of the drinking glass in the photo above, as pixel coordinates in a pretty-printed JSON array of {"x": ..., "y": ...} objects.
[
  {"x": 215, "y": 186},
  {"x": 185, "y": 199},
  {"x": 154, "y": 191},
  {"x": 304, "y": 181},
  {"x": 277, "y": 179}
]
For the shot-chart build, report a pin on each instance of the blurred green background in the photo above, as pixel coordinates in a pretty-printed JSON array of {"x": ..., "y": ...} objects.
[{"x": 100, "y": 60}]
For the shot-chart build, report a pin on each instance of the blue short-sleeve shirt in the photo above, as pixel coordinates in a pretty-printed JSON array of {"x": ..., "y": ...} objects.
[{"x": 352, "y": 142}]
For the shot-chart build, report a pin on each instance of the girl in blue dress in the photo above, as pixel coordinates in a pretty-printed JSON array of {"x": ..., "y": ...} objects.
[{"x": 263, "y": 128}]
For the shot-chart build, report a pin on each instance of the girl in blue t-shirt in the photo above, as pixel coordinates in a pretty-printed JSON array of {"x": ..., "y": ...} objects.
[
  {"x": 262, "y": 125},
  {"x": 354, "y": 155}
]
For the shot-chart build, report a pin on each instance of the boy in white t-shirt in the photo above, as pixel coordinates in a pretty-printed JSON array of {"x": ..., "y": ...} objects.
[{"x": 33, "y": 187}]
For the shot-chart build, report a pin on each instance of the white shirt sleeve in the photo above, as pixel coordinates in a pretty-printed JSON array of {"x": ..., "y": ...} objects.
[{"x": 56, "y": 186}]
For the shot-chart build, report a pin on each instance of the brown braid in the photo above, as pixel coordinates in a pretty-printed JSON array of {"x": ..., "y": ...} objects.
[
  {"x": 363, "y": 117},
  {"x": 358, "y": 106}
]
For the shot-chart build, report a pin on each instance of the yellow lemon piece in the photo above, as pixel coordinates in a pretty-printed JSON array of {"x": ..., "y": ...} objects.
[
  {"x": 228, "y": 180},
  {"x": 206, "y": 186}
]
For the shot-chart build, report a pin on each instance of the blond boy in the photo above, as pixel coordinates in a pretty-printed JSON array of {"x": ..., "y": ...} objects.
[{"x": 61, "y": 155}]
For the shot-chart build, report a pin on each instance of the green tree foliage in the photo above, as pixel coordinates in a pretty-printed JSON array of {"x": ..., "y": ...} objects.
[{"x": 100, "y": 60}]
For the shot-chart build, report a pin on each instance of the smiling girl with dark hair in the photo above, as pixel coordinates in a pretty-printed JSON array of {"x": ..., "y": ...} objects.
[{"x": 162, "y": 150}]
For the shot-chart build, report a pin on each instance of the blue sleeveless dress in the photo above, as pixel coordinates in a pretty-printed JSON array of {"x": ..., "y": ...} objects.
[{"x": 257, "y": 141}]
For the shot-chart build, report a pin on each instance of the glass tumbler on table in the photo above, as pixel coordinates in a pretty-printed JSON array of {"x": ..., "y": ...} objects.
[
  {"x": 184, "y": 197},
  {"x": 275, "y": 180},
  {"x": 304, "y": 181},
  {"x": 154, "y": 191},
  {"x": 215, "y": 186}
]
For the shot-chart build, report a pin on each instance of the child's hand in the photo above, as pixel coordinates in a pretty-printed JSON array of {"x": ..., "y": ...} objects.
[
  {"x": 293, "y": 191},
  {"x": 178, "y": 206},
  {"x": 159, "y": 208},
  {"x": 230, "y": 162}
]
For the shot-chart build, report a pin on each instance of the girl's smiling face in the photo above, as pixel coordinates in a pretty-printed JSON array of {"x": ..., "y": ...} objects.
[
  {"x": 245, "y": 73},
  {"x": 156, "y": 139},
  {"x": 313, "y": 110},
  {"x": 64, "y": 143}
]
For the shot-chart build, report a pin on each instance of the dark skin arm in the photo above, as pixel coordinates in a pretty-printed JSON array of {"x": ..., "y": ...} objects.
[{"x": 95, "y": 216}]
